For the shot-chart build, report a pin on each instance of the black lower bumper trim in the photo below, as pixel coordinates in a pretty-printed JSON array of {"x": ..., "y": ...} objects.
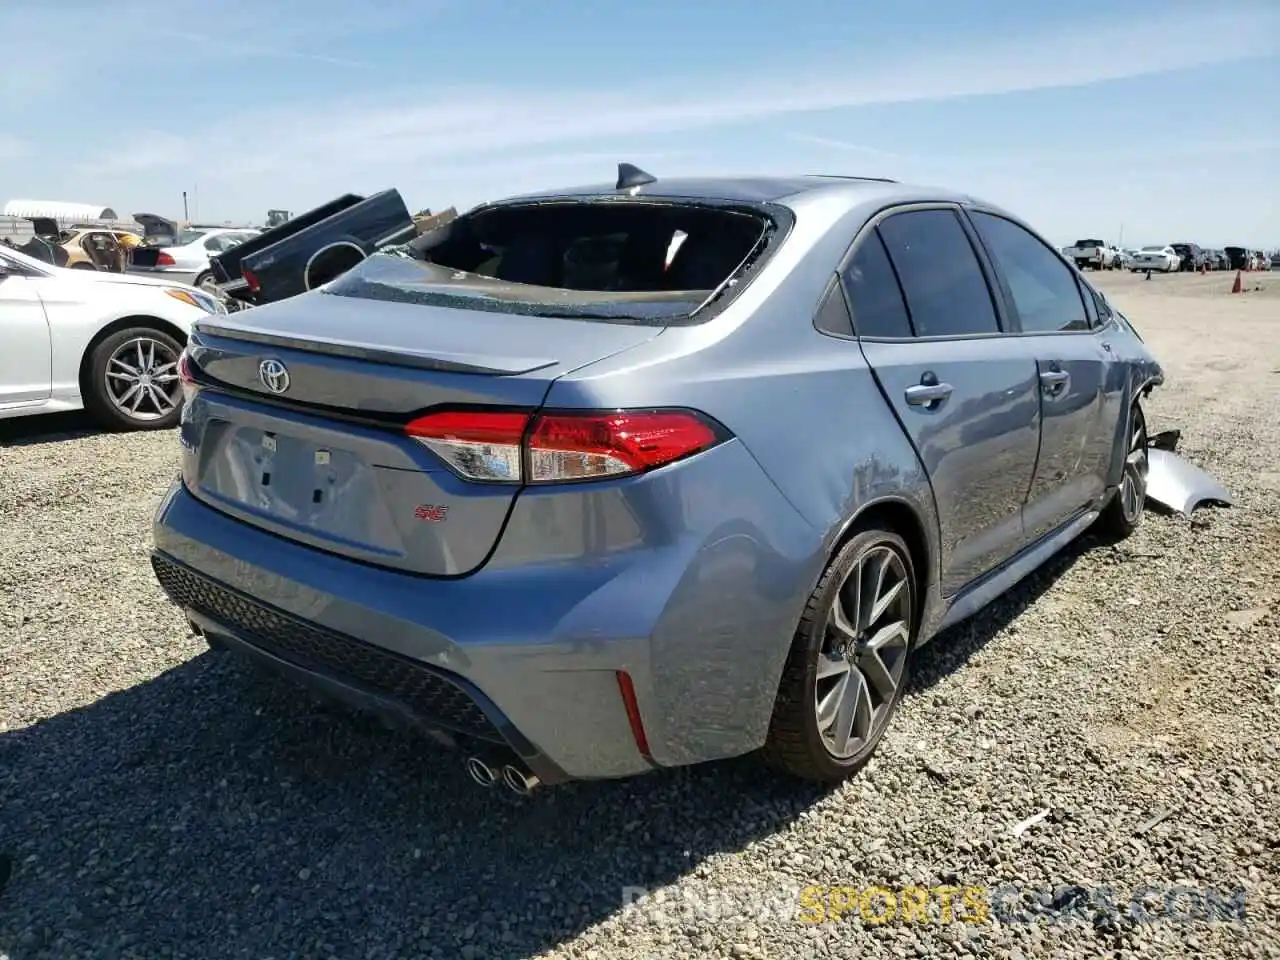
[{"x": 361, "y": 674}]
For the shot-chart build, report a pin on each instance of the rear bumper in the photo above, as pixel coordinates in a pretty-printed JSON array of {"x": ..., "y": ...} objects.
[
  {"x": 525, "y": 654},
  {"x": 363, "y": 675}
]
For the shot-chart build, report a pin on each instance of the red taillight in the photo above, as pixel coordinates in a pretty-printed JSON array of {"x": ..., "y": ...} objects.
[
  {"x": 189, "y": 386},
  {"x": 577, "y": 446},
  {"x": 165, "y": 260},
  {"x": 251, "y": 279},
  {"x": 479, "y": 446},
  {"x": 506, "y": 447}
]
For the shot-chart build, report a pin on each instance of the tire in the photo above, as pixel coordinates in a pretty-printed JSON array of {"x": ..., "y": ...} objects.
[
  {"x": 1124, "y": 511},
  {"x": 108, "y": 397},
  {"x": 798, "y": 741},
  {"x": 206, "y": 282}
]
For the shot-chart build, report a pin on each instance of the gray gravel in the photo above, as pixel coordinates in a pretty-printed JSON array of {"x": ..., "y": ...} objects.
[{"x": 157, "y": 800}]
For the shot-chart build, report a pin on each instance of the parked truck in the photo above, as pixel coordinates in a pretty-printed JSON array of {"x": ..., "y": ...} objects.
[
  {"x": 312, "y": 248},
  {"x": 1093, "y": 254}
]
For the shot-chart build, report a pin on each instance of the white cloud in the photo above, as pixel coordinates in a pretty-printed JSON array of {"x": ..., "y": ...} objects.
[
  {"x": 52, "y": 48},
  {"x": 402, "y": 127},
  {"x": 464, "y": 141}
]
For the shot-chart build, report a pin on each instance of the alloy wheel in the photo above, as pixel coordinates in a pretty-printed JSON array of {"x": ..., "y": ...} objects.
[
  {"x": 142, "y": 379},
  {"x": 1133, "y": 482},
  {"x": 863, "y": 657}
]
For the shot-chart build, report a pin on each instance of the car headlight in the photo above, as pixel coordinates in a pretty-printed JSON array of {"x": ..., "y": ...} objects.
[{"x": 194, "y": 298}]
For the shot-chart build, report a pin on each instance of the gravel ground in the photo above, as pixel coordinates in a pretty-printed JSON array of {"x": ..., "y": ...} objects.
[{"x": 157, "y": 800}]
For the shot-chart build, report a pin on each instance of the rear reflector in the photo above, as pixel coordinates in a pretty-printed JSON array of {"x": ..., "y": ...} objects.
[
  {"x": 632, "y": 706},
  {"x": 500, "y": 446}
]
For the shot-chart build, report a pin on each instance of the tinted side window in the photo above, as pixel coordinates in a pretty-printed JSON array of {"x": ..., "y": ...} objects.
[
  {"x": 1105, "y": 312},
  {"x": 1044, "y": 291},
  {"x": 874, "y": 295},
  {"x": 833, "y": 313},
  {"x": 946, "y": 293}
]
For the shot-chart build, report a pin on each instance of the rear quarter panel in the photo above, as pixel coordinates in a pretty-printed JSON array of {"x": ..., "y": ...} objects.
[{"x": 814, "y": 430}]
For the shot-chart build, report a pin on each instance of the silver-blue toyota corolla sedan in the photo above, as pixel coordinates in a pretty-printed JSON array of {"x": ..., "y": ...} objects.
[{"x": 645, "y": 474}]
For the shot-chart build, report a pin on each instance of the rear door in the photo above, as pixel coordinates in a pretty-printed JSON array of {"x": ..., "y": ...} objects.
[
  {"x": 964, "y": 391},
  {"x": 1046, "y": 303}
]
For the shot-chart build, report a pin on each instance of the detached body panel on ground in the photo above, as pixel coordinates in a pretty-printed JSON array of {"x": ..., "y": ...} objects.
[{"x": 858, "y": 363}]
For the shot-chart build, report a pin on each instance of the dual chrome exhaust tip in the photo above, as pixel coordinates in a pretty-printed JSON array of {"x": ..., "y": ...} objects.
[{"x": 518, "y": 781}]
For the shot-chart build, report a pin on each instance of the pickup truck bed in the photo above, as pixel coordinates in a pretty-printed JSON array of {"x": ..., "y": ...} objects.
[{"x": 312, "y": 248}]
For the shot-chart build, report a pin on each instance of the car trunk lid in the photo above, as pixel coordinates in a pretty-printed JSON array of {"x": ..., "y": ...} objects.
[{"x": 298, "y": 425}]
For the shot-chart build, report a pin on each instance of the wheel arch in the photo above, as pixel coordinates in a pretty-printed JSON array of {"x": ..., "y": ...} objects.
[
  {"x": 1139, "y": 390},
  {"x": 348, "y": 245},
  {"x": 895, "y": 515},
  {"x": 124, "y": 323}
]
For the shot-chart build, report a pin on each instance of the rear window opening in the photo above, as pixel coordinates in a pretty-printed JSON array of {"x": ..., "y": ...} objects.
[{"x": 625, "y": 261}]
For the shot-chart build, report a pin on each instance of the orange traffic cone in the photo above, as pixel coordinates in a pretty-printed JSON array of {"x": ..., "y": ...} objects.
[{"x": 1237, "y": 287}]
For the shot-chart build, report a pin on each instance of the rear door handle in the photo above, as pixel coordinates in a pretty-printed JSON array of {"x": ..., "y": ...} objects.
[{"x": 926, "y": 394}]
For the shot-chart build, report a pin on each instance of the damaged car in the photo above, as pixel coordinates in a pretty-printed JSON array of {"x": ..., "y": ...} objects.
[{"x": 653, "y": 472}]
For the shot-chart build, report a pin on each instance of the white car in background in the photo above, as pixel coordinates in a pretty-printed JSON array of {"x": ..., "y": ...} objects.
[
  {"x": 1160, "y": 259},
  {"x": 105, "y": 342},
  {"x": 189, "y": 253}
]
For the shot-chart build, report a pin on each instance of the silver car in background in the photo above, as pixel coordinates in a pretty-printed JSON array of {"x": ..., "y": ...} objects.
[
  {"x": 637, "y": 475},
  {"x": 188, "y": 255}
]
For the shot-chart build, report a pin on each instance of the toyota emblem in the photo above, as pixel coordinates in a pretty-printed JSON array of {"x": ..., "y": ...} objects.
[{"x": 274, "y": 375}]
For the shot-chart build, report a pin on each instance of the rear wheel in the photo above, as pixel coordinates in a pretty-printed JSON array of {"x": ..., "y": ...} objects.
[
  {"x": 207, "y": 283},
  {"x": 1123, "y": 514},
  {"x": 849, "y": 661},
  {"x": 133, "y": 380}
]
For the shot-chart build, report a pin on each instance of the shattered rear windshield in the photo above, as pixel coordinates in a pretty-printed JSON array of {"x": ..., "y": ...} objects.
[{"x": 615, "y": 261}]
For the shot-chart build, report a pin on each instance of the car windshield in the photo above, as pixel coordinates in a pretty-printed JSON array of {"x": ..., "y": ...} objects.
[
  {"x": 185, "y": 237},
  {"x": 653, "y": 262}
]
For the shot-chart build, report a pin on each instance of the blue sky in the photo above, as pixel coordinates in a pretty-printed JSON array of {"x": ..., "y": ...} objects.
[{"x": 1162, "y": 118}]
